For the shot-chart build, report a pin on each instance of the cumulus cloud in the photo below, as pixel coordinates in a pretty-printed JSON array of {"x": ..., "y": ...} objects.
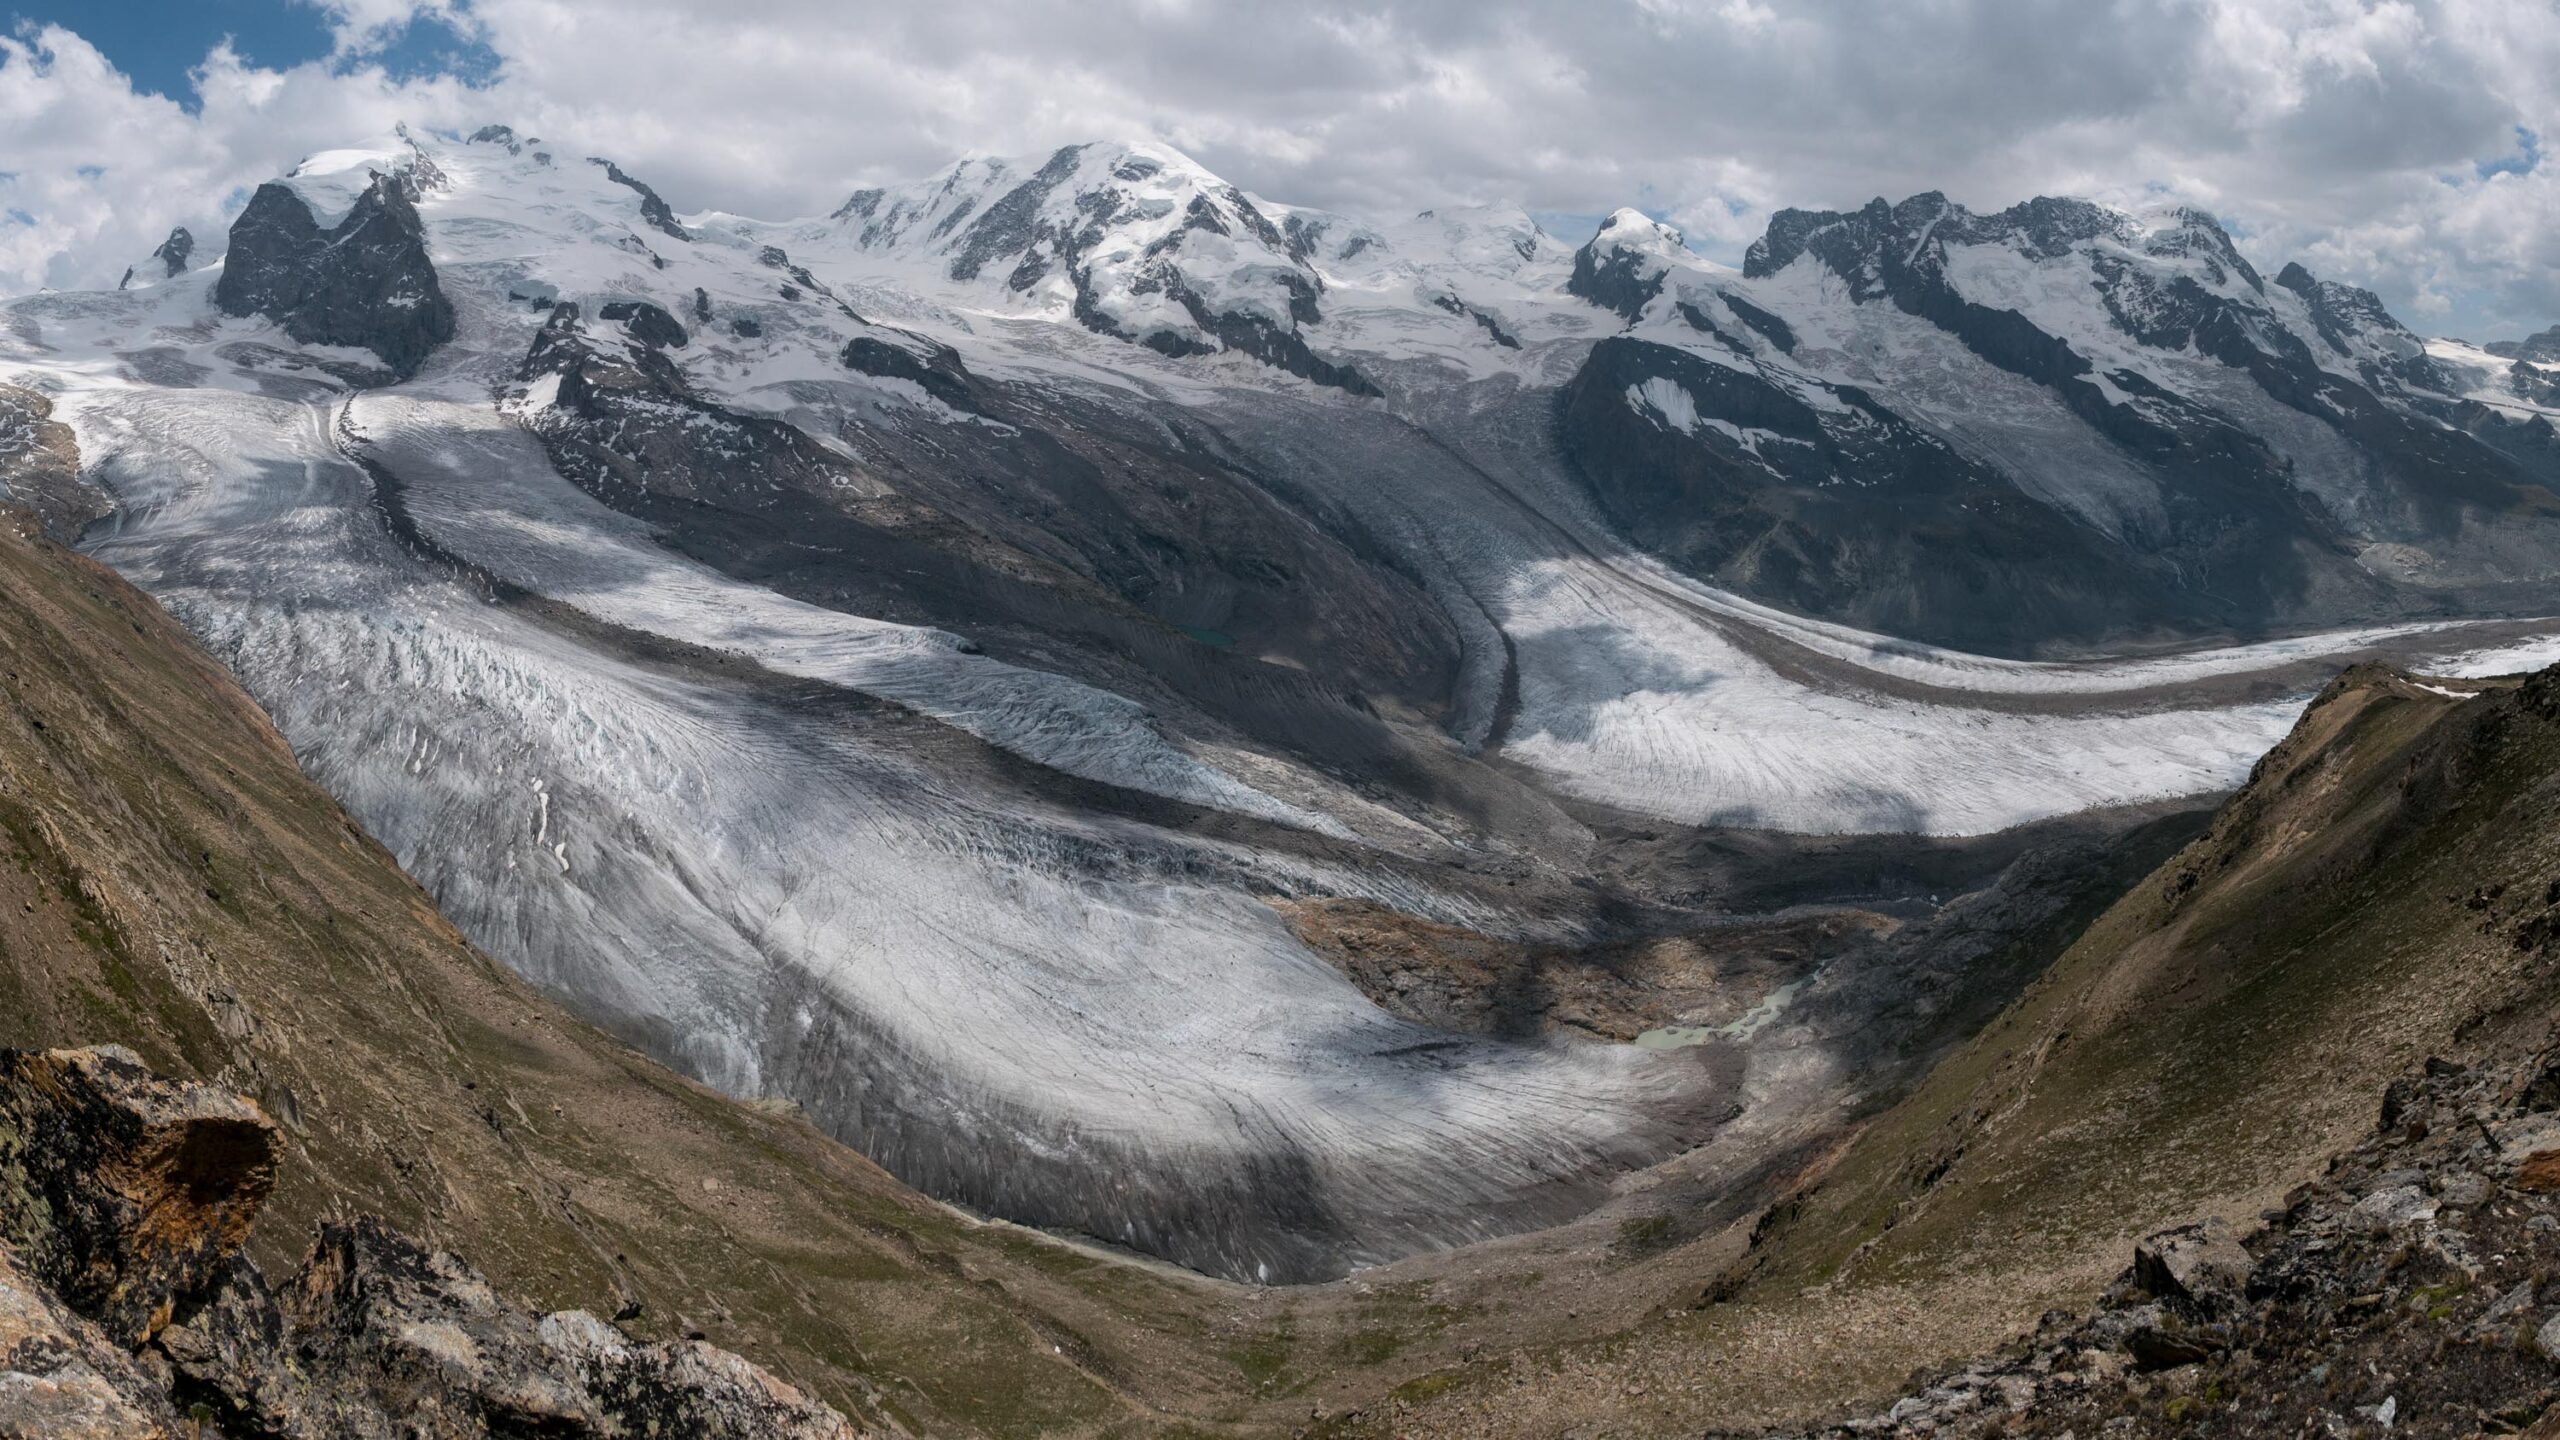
[
  {"x": 93, "y": 174},
  {"x": 2389, "y": 142}
]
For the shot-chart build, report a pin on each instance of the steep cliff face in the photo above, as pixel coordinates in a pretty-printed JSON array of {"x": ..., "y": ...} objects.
[
  {"x": 364, "y": 283},
  {"x": 2233, "y": 454}
]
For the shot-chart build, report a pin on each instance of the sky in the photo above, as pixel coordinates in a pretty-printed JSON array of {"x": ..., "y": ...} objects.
[{"x": 2395, "y": 144}]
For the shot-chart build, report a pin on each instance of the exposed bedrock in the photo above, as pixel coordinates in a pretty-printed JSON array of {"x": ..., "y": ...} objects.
[
  {"x": 128, "y": 1311},
  {"x": 365, "y": 282},
  {"x": 2279, "y": 452},
  {"x": 1926, "y": 543}
]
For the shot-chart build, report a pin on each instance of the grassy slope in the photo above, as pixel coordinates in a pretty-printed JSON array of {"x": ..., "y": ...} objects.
[
  {"x": 2387, "y": 886},
  {"x": 170, "y": 880}
]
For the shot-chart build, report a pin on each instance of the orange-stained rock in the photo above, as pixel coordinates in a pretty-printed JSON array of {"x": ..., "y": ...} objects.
[{"x": 126, "y": 1194}]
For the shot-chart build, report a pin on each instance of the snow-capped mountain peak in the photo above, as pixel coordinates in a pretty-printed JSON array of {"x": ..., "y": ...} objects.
[
  {"x": 1133, "y": 239},
  {"x": 1623, "y": 265}
]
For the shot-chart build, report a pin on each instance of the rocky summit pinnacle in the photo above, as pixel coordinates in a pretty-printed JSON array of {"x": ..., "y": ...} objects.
[
  {"x": 365, "y": 282},
  {"x": 174, "y": 251}
]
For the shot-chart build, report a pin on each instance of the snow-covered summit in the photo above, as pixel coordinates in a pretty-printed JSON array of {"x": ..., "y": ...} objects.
[
  {"x": 1135, "y": 240},
  {"x": 1622, "y": 267}
]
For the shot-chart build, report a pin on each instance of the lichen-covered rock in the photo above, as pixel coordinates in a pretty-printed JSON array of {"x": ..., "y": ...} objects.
[
  {"x": 60, "y": 1377},
  {"x": 2410, "y": 1288},
  {"x": 2195, "y": 1265},
  {"x": 367, "y": 282},
  {"x": 124, "y": 1298},
  {"x": 686, "y": 1388},
  {"x": 127, "y": 1195},
  {"x": 377, "y": 1325}
]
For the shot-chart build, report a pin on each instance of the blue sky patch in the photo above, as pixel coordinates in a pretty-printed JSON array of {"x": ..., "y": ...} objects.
[
  {"x": 157, "y": 42},
  {"x": 2528, "y": 154}
]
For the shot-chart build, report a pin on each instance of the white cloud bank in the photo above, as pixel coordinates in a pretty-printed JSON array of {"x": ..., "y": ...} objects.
[{"x": 2381, "y": 141}]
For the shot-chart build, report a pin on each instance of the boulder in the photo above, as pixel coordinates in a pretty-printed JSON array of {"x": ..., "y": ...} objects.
[
  {"x": 2194, "y": 1265},
  {"x": 378, "y": 1324},
  {"x": 125, "y": 1194},
  {"x": 61, "y": 1378},
  {"x": 685, "y": 1387}
]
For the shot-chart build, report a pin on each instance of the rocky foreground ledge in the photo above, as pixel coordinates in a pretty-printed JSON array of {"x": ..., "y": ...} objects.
[
  {"x": 2414, "y": 1289},
  {"x": 128, "y": 1310}
]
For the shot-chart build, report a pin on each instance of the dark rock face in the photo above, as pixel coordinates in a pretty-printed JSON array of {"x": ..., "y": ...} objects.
[
  {"x": 1923, "y": 542},
  {"x": 2354, "y": 324},
  {"x": 124, "y": 1299},
  {"x": 1616, "y": 275},
  {"x": 939, "y": 370},
  {"x": 625, "y": 418},
  {"x": 1254, "y": 335},
  {"x": 1490, "y": 324},
  {"x": 649, "y": 324},
  {"x": 2409, "y": 1288},
  {"x": 173, "y": 252},
  {"x": 2235, "y": 543},
  {"x": 1772, "y": 329},
  {"x": 366, "y": 283},
  {"x": 652, "y": 209}
]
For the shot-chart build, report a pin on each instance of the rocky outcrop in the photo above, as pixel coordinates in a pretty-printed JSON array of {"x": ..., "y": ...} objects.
[
  {"x": 128, "y": 1310},
  {"x": 937, "y": 371},
  {"x": 380, "y": 1325},
  {"x": 649, "y": 324},
  {"x": 653, "y": 209},
  {"x": 619, "y": 416},
  {"x": 366, "y": 283},
  {"x": 61, "y": 1378},
  {"x": 170, "y": 259},
  {"x": 174, "y": 252},
  {"x": 125, "y": 1194},
  {"x": 40, "y": 465},
  {"x": 2413, "y": 1287}
]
